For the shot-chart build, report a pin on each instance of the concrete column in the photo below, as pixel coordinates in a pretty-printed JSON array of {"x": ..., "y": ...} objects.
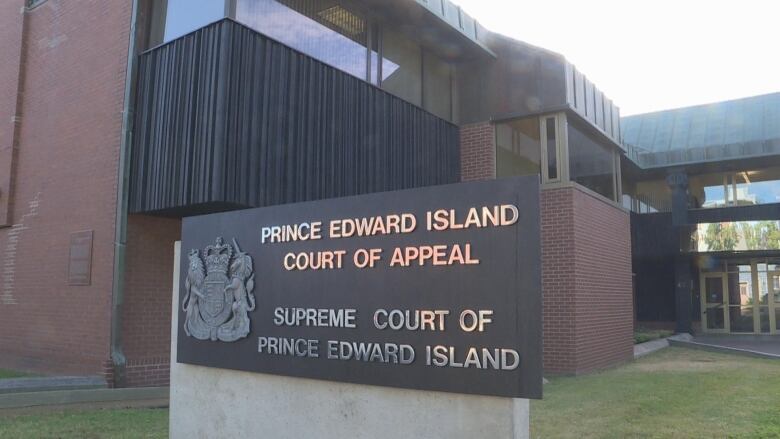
[{"x": 678, "y": 183}]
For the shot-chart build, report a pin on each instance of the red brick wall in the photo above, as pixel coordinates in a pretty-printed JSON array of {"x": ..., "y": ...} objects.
[
  {"x": 586, "y": 282},
  {"x": 147, "y": 307},
  {"x": 75, "y": 56},
  {"x": 586, "y": 267},
  {"x": 558, "y": 280},
  {"x": 477, "y": 152}
]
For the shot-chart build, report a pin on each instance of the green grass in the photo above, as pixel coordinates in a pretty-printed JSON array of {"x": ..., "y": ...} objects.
[
  {"x": 5, "y": 373},
  {"x": 643, "y": 335},
  {"x": 93, "y": 424},
  {"x": 675, "y": 393}
]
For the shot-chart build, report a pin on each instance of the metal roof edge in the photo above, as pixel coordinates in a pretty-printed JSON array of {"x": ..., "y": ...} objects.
[{"x": 456, "y": 18}]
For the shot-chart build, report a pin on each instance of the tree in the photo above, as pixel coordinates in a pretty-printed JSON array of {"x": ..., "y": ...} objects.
[
  {"x": 761, "y": 235},
  {"x": 721, "y": 237}
]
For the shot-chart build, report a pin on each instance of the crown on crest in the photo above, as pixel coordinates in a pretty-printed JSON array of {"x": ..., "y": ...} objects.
[{"x": 218, "y": 257}]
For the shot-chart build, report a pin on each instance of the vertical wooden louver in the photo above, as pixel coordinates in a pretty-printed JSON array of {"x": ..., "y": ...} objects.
[{"x": 226, "y": 118}]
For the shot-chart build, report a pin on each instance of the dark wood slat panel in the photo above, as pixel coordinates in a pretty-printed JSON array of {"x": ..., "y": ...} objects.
[{"x": 228, "y": 118}]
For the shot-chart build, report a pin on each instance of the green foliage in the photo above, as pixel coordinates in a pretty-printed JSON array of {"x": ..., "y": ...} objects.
[
  {"x": 643, "y": 335},
  {"x": 761, "y": 235},
  {"x": 721, "y": 237},
  {"x": 675, "y": 393},
  {"x": 5, "y": 373}
]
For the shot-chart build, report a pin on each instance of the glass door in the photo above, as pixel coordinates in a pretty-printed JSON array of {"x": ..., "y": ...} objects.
[
  {"x": 774, "y": 302},
  {"x": 714, "y": 302},
  {"x": 743, "y": 311},
  {"x": 768, "y": 300}
]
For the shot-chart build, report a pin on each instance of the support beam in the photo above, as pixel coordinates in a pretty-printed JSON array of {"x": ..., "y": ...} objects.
[{"x": 683, "y": 285}]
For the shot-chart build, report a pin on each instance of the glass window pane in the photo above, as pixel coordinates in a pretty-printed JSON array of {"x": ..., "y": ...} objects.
[
  {"x": 437, "y": 87},
  {"x": 741, "y": 318},
  {"x": 763, "y": 315},
  {"x": 774, "y": 286},
  {"x": 707, "y": 190},
  {"x": 518, "y": 148},
  {"x": 647, "y": 196},
  {"x": 777, "y": 318},
  {"x": 713, "y": 290},
  {"x": 591, "y": 161},
  {"x": 401, "y": 67},
  {"x": 715, "y": 318},
  {"x": 711, "y": 265},
  {"x": 737, "y": 236},
  {"x": 743, "y": 188},
  {"x": 184, "y": 16},
  {"x": 552, "y": 150},
  {"x": 763, "y": 288},
  {"x": 758, "y": 187},
  {"x": 740, "y": 288},
  {"x": 324, "y": 30}
]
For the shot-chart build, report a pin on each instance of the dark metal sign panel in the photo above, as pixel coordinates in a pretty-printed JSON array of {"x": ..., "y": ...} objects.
[
  {"x": 435, "y": 288},
  {"x": 80, "y": 258}
]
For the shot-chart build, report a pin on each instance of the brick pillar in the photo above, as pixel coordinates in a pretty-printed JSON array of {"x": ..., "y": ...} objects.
[
  {"x": 477, "y": 152},
  {"x": 558, "y": 281},
  {"x": 587, "y": 302},
  {"x": 586, "y": 282},
  {"x": 146, "y": 325}
]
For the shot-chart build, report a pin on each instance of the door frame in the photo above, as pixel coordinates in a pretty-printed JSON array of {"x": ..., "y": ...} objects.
[
  {"x": 724, "y": 305},
  {"x": 773, "y": 305}
]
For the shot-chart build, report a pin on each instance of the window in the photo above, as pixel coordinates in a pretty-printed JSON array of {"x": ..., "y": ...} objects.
[
  {"x": 437, "y": 86},
  {"x": 551, "y": 141},
  {"x": 591, "y": 161},
  {"x": 518, "y": 148},
  {"x": 185, "y": 16},
  {"x": 343, "y": 38},
  {"x": 648, "y": 196},
  {"x": 744, "y": 188},
  {"x": 322, "y": 29},
  {"x": 401, "y": 67},
  {"x": 736, "y": 236}
]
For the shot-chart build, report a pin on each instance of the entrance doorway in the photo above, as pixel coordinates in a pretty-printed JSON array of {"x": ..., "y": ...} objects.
[{"x": 741, "y": 296}]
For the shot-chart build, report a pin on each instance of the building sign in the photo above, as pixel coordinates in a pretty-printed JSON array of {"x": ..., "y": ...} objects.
[{"x": 435, "y": 288}]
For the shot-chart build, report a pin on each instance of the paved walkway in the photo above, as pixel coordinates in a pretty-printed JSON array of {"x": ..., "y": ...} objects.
[
  {"x": 648, "y": 347},
  {"x": 45, "y": 384},
  {"x": 766, "y": 346},
  {"x": 34, "y": 394}
]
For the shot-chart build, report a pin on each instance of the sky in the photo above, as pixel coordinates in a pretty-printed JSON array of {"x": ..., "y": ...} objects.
[{"x": 650, "y": 55}]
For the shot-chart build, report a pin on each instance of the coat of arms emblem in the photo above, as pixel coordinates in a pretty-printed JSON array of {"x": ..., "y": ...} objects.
[{"x": 218, "y": 296}]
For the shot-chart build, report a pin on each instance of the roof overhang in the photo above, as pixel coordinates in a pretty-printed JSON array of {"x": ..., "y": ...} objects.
[{"x": 438, "y": 25}]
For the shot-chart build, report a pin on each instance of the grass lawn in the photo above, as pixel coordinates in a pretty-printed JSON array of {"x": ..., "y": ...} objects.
[
  {"x": 93, "y": 424},
  {"x": 675, "y": 393},
  {"x": 643, "y": 335}
]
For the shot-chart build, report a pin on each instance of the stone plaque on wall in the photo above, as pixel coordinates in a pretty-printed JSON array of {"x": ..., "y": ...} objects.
[{"x": 80, "y": 258}]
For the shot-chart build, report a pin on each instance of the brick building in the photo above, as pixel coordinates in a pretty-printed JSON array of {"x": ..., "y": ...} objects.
[{"x": 119, "y": 118}]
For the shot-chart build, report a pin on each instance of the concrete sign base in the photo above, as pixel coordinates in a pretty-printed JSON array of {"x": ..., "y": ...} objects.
[{"x": 208, "y": 402}]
